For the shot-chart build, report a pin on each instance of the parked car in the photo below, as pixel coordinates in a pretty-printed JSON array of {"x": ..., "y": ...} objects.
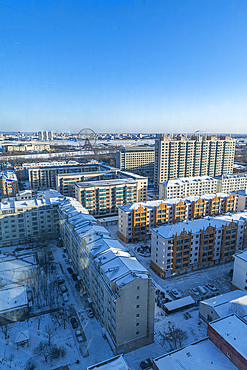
[
  {"x": 78, "y": 336},
  {"x": 74, "y": 323},
  {"x": 146, "y": 364},
  {"x": 194, "y": 291},
  {"x": 176, "y": 293},
  {"x": 90, "y": 312},
  {"x": 60, "y": 280},
  {"x": 70, "y": 271},
  {"x": 65, "y": 297},
  {"x": 63, "y": 288},
  {"x": 211, "y": 287},
  {"x": 201, "y": 289},
  {"x": 83, "y": 350}
]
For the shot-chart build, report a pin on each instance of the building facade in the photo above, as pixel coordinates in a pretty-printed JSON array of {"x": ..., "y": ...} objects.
[
  {"x": 105, "y": 196},
  {"x": 29, "y": 217},
  {"x": 239, "y": 280},
  {"x": 192, "y": 245},
  {"x": 120, "y": 288},
  {"x": 199, "y": 156},
  {"x": 187, "y": 186},
  {"x": 136, "y": 220},
  {"x": 26, "y": 148},
  {"x": 8, "y": 184},
  {"x": 139, "y": 160},
  {"x": 232, "y": 182}
]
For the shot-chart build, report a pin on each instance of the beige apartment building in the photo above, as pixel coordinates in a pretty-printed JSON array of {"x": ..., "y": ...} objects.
[
  {"x": 199, "y": 156},
  {"x": 135, "y": 221},
  {"x": 120, "y": 288},
  {"x": 138, "y": 159},
  {"x": 192, "y": 245},
  {"x": 26, "y": 148}
]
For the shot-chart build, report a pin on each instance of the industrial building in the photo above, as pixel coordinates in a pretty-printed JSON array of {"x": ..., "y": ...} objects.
[
  {"x": 192, "y": 245},
  {"x": 199, "y": 156},
  {"x": 136, "y": 220}
]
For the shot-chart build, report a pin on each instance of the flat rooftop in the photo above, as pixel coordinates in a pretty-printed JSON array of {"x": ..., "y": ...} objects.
[
  {"x": 203, "y": 355},
  {"x": 234, "y": 331}
]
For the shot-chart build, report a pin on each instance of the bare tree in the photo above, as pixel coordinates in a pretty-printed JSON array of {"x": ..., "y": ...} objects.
[
  {"x": 60, "y": 317},
  {"x": 50, "y": 333},
  {"x": 237, "y": 309},
  {"x": 11, "y": 358},
  {"x": 39, "y": 318},
  {"x": 30, "y": 364},
  {"x": 42, "y": 350},
  {"x": 174, "y": 337}
]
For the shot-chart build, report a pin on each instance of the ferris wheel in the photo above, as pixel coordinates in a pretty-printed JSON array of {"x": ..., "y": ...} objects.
[{"x": 87, "y": 138}]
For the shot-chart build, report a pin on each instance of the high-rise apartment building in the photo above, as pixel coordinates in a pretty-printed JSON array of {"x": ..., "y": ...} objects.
[
  {"x": 199, "y": 156},
  {"x": 138, "y": 159}
]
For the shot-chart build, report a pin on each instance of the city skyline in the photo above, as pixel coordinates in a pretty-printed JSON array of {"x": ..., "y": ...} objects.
[{"x": 137, "y": 66}]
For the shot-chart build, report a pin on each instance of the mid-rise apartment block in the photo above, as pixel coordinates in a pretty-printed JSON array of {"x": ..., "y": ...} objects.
[
  {"x": 120, "y": 288},
  {"x": 105, "y": 196},
  {"x": 199, "y": 156},
  {"x": 26, "y": 147},
  {"x": 29, "y": 216},
  {"x": 136, "y": 220},
  {"x": 192, "y": 245},
  {"x": 232, "y": 182},
  {"x": 187, "y": 186},
  {"x": 139, "y": 159},
  {"x": 8, "y": 184}
]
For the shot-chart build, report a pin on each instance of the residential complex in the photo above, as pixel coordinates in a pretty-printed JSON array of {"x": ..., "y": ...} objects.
[
  {"x": 138, "y": 159},
  {"x": 187, "y": 186},
  {"x": 224, "y": 348},
  {"x": 192, "y": 245},
  {"x": 105, "y": 196},
  {"x": 136, "y": 220},
  {"x": 239, "y": 280},
  {"x": 8, "y": 184},
  {"x": 199, "y": 156},
  {"x": 119, "y": 287}
]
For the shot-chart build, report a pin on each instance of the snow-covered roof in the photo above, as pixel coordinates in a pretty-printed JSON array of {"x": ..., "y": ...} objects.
[
  {"x": 12, "y": 298},
  {"x": 179, "y": 303},
  {"x": 184, "y": 180},
  {"x": 240, "y": 192},
  {"x": 22, "y": 336},
  {"x": 113, "y": 182},
  {"x": 242, "y": 255},
  {"x": 150, "y": 204},
  {"x": 194, "y": 226},
  {"x": 224, "y": 298},
  {"x": 114, "y": 363},
  {"x": 201, "y": 355},
  {"x": 234, "y": 331}
]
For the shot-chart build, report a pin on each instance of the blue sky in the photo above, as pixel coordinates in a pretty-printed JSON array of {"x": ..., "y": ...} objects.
[{"x": 123, "y": 66}]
